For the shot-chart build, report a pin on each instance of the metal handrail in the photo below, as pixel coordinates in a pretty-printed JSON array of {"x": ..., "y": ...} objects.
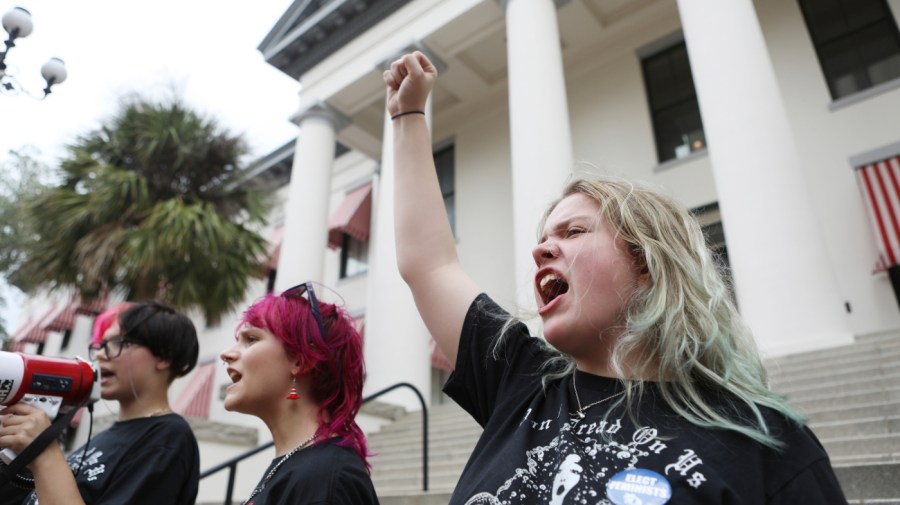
[{"x": 232, "y": 463}]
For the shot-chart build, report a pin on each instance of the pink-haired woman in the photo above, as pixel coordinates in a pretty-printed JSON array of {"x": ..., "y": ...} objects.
[{"x": 297, "y": 364}]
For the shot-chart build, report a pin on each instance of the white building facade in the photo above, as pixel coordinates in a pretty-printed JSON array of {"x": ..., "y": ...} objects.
[{"x": 758, "y": 114}]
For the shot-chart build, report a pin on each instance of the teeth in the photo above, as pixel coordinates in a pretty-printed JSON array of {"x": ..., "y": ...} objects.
[{"x": 547, "y": 279}]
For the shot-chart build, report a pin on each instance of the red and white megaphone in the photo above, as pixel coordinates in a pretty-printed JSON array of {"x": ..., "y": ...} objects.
[{"x": 50, "y": 384}]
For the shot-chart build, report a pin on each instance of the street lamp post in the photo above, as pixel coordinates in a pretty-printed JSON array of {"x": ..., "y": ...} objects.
[{"x": 17, "y": 24}]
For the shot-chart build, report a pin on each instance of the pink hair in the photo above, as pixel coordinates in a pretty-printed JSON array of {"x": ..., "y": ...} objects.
[
  {"x": 106, "y": 319},
  {"x": 334, "y": 363}
]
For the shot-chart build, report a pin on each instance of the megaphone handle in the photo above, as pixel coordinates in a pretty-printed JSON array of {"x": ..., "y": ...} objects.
[{"x": 36, "y": 446}]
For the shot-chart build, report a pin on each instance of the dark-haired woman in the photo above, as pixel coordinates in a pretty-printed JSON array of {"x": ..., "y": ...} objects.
[
  {"x": 297, "y": 364},
  {"x": 149, "y": 455}
]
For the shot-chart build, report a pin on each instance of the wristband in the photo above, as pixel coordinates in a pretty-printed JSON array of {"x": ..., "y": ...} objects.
[{"x": 395, "y": 116}]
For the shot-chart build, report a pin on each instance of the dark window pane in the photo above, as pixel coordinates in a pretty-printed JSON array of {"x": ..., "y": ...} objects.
[
  {"x": 677, "y": 126},
  {"x": 679, "y": 131},
  {"x": 857, "y": 42},
  {"x": 354, "y": 256}
]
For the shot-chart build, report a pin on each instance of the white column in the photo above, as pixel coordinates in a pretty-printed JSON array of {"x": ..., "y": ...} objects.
[
  {"x": 397, "y": 341},
  {"x": 306, "y": 211},
  {"x": 540, "y": 135},
  {"x": 785, "y": 286}
]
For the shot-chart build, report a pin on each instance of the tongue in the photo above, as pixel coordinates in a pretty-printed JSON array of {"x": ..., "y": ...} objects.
[{"x": 556, "y": 288}]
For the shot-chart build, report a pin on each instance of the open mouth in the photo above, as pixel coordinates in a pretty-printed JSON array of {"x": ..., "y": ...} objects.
[
  {"x": 551, "y": 285},
  {"x": 234, "y": 375}
]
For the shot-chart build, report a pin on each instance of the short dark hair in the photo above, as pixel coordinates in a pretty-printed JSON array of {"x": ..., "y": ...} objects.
[{"x": 169, "y": 334}]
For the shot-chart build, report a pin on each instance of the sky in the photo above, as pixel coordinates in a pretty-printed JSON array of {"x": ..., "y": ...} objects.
[{"x": 204, "y": 50}]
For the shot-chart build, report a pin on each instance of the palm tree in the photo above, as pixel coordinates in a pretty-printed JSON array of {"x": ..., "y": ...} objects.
[{"x": 148, "y": 204}]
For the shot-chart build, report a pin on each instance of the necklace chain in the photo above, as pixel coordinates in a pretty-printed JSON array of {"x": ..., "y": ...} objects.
[
  {"x": 581, "y": 410},
  {"x": 159, "y": 412},
  {"x": 262, "y": 485}
]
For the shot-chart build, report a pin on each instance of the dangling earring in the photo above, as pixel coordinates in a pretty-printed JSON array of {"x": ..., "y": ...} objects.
[{"x": 293, "y": 394}]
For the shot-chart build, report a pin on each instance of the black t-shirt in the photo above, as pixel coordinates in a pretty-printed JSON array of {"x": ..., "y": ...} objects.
[
  {"x": 325, "y": 473},
  {"x": 145, "y": 461},
  {"x": 535, "y": 450}
]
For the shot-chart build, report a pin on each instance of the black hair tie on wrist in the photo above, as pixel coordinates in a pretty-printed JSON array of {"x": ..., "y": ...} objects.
[{"x": 395, "y": 116}]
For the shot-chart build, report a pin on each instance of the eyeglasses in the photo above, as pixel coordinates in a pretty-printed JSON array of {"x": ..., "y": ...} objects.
[
  {"x": 112, "y": 347},
  {"x": 307, "y": 288}
]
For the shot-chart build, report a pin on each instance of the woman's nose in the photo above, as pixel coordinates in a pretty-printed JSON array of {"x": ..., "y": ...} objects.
[
  {"x": 228, "y": 355},
  {"x": 546, "y": 250}
]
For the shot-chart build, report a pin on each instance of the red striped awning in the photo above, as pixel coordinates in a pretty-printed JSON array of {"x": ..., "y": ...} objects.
[
  {"x": 880, "y": 185},
  {"x": 195, "y": 398},
  {"x": 64, "y": 319},
  {"x": 23, "y": 329},
  {"x": 93, "y": 306},
  {"x": 352, "y": 216},
  {"x": 35, "y": 332}
]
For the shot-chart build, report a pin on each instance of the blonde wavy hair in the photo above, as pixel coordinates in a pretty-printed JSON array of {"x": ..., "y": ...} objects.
[{"x": 682, "y": 327}]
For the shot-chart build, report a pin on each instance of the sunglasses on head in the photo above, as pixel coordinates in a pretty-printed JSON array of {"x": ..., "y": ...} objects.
[{"x": 307, "y": 288}]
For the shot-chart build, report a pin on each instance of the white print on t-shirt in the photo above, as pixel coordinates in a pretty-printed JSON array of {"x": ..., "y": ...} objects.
[
  {"x": 91, "y": 467},
  {"x": 575, "y": 466}
]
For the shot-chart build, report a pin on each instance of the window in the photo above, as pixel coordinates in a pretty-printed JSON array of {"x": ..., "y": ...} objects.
[
  {"x": 354, "y": 256},
  {"x": 857, "y": 43},
  {"x": 66, "y": 339},
  {"x": 710, "y": 220},
  {"x": 444, "y": 161},
  {"x": 271, "y": 275},
  {"x": 677, "y": 127}
]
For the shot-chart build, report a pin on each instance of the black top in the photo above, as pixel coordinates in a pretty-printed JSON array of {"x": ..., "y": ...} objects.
[
  {"x": 149, "y": 461},
  {"x": 324, "y": 473},
  {"x": 535, "y": 450}
]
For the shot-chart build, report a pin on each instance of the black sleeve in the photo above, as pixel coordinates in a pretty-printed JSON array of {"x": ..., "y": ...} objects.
[
  {"x": 325, "y": 475},
  {"x": 164, "y": 471},
  {"x": 815, "y": 485},
  {"x": 353, "y": 486},
  {"x": 483, "y": 374},
  {"x": 804, "y": 475}
]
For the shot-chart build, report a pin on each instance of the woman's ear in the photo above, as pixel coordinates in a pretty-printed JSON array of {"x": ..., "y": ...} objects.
[
  {"x": 163, "y": 364},
  {"x": 297, "y": 366}
]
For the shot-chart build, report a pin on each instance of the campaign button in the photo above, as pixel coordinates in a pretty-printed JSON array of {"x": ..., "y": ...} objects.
[{"x": 638, "y": 487}]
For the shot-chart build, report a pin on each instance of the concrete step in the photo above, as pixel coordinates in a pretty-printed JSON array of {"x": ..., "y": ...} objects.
[
  {"x": 785, "y": 366},
  {"x": 443, "y": 418},
  {"x": 413, "y": 498},
  {"x": 398, "y": 484},
  {"x": 394, "y": 438},
  {"x": 842, "y": 400},
  {"x": 865, "y": 459},
  {"x": 867, "y": 483},
  {"x": 863, "y": 444},
  {"x": 414, "y": 439},
  {"x": 847, "y": 411},
  {"x": 836, "y": 374},
  {"x": 845, "y": 387},
  {"x": 862, "y": 345},
  {"x": 857, "y": 427},
  {"x": 414, "y": 467},
  {"x": 434, "y": 455}
]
